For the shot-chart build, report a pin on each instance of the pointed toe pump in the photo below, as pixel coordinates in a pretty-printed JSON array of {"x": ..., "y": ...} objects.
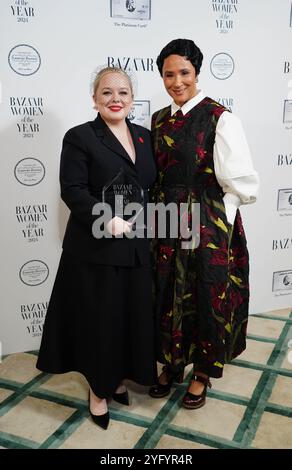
[{"x": 101, "y": 420}]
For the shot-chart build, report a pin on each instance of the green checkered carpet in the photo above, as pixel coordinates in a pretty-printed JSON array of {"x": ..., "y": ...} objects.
[{"x": 250, "y": 407}]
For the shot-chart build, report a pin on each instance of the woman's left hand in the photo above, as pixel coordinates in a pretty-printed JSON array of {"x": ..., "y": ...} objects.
[{"x": 118, "y": 226}]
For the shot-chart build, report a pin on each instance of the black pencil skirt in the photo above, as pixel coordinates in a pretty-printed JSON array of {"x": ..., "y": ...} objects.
[{"x": 100, "y": 323}]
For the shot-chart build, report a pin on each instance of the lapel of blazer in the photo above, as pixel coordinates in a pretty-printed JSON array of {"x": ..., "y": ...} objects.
[
  {"x": 135, "y": 138},
  {"x": 110, "y": 140}
]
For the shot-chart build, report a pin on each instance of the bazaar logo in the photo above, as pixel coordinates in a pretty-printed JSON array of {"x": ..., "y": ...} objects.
[{"x": 138, "y": 64}]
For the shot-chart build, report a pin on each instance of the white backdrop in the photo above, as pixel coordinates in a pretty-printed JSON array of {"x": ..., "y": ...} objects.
[{"x": 49, "y": 49}]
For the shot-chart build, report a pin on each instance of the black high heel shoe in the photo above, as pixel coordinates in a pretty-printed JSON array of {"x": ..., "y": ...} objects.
[
  {"x": 193, "y": 402},
  {"x": 122, "y": 398},
  {"x": 162, "y": 390},
  {"x": 101, "y": 420}
]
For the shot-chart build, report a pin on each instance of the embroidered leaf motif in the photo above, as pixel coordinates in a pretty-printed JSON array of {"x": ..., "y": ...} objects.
[
  {"x": 211, "y": 245},
  {"x": 168, "y": 140},
  {"x": 192, "y": 348},
  {"x": 219, "y": 222},
  {"x": 237, "y": 280},
  {"x": 218, "y": 364},
  {"x": 219, "y": 318},
  {"x": 180, "y": 271},
  {"x": 168, "y": 357},
  {"x": 208, "y": 170},
  {"x": 228, "y": 327},
  {"x": 186, "y": 296}
]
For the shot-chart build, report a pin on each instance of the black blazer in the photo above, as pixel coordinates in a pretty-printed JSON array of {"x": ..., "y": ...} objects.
[{"x": 92, "y": 156}]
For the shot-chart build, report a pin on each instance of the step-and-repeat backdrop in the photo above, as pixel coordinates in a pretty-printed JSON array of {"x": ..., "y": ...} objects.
[{"x": 49, "y": 49}]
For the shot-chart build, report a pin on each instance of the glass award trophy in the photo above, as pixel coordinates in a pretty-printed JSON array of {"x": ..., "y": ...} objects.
[{"x": 126, "y": 198}]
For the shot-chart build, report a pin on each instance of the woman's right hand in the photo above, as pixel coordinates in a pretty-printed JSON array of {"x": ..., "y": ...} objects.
[{"x": 118, "y": 226}]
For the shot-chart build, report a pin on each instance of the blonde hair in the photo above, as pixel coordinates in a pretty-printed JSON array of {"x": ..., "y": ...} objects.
[{"x": 107, "y": 70}]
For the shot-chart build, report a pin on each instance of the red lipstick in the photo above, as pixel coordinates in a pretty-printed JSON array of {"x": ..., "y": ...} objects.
[{"x": 115, "y": 108}]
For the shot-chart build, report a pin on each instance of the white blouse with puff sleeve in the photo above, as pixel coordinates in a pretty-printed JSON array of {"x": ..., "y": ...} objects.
[
  {"x": 233, "y": 165},
  {"x": 232, "y": 159}
]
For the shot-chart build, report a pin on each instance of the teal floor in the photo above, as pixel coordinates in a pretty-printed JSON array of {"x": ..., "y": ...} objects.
[{"x": 250, "y": 407}]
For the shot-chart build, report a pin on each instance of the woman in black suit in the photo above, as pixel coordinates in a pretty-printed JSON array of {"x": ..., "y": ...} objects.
[{"x": 100, "y": 321}]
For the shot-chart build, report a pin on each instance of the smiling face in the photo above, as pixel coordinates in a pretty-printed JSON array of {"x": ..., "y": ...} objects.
[
  {"x": 113, "y": 97},
  {"x": 179, "y": 77}
]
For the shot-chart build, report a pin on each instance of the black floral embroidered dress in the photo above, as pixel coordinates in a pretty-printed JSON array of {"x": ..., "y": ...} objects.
[{"x": 201, "y": 294}]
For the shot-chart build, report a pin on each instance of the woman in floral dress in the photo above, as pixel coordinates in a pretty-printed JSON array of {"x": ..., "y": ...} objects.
[{"x": 202, "y": 293}]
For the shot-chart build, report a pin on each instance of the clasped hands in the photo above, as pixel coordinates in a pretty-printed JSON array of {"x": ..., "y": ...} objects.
[{"x": 118, "y": 226}]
